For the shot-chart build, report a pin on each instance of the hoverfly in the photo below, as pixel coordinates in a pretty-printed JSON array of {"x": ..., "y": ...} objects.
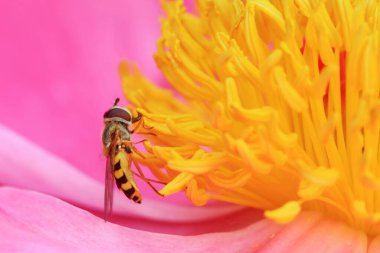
[{"x": 118, "y": 148}]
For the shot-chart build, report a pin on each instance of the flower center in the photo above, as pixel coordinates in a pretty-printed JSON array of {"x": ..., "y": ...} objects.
[{"x": 275, "y": 105}]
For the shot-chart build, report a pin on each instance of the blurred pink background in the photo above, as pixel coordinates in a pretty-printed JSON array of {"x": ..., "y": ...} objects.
[{"x": 59, "y": 64}]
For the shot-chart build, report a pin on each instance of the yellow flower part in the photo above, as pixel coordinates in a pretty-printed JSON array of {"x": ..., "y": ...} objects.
[{"x": 274, "y": 105}]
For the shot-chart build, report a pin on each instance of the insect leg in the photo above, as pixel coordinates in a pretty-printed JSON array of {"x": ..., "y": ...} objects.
[
  {"x": 147, "y": 179},
  {"x": 141, "y": 175},
  {"x": 140, "y": 121},
  {"x": 148, "y": 133},
  {"x": 145, "y": 126},
  {"x": 144, "y": 178},
  {"x": 138, "y": 118},
  {"x": 139, "y": 141},
  {"x": 137, "y": 152}
]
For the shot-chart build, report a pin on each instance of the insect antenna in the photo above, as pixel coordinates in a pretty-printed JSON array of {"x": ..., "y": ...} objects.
[{"x": 116, "y": 101}]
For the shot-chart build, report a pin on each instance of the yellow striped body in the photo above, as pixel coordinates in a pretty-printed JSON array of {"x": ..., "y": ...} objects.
[{"x": 124, "y": 176}]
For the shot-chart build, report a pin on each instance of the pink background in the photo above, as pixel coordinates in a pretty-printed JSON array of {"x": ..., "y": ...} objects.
[{"x": 59, "y": 64}]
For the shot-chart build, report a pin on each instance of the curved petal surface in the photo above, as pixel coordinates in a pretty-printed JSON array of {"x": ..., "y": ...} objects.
[{"x": 56, "y": 226}]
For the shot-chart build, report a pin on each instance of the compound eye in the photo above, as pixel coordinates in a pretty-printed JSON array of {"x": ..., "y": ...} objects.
[{"x": 118, "y": 112}]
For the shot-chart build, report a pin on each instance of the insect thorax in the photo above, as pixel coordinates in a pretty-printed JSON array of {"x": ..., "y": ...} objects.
[{"x": 114, "y": 130}]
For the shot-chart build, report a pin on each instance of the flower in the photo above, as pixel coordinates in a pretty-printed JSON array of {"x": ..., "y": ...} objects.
[
  {"x": 35, "y": 222},
  {"x": 59, "y": 74},
  {"x": 59, "y": 60},
  {"x": 275, "y": 105}
]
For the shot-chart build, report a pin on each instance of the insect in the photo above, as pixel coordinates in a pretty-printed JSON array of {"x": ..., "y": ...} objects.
[{"x": 118, "y": 148}]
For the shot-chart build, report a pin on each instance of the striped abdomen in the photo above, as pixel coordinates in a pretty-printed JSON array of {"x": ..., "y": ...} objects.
[{"x": 124, "y": 177}]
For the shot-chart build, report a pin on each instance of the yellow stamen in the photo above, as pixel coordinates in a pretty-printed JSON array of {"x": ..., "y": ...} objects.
[
  {"x": 275, "y": 105},
  {"x": 285, "y": 213}
]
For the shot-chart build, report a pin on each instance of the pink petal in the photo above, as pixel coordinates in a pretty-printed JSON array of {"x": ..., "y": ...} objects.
[
  {"x": 190, "y": 6},
  {"x": 25, "y": 165},
  {"x": 34, "y": 222},
  {"x": 59, "y": 62},
  {"x": 311, "y": 232}
]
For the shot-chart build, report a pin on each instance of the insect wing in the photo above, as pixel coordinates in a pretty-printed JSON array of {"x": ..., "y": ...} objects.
[{"x": 108, "y": 190}]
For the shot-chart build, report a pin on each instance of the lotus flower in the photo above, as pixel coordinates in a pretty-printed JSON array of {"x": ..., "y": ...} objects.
[{"x": 270, "y": 126}]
